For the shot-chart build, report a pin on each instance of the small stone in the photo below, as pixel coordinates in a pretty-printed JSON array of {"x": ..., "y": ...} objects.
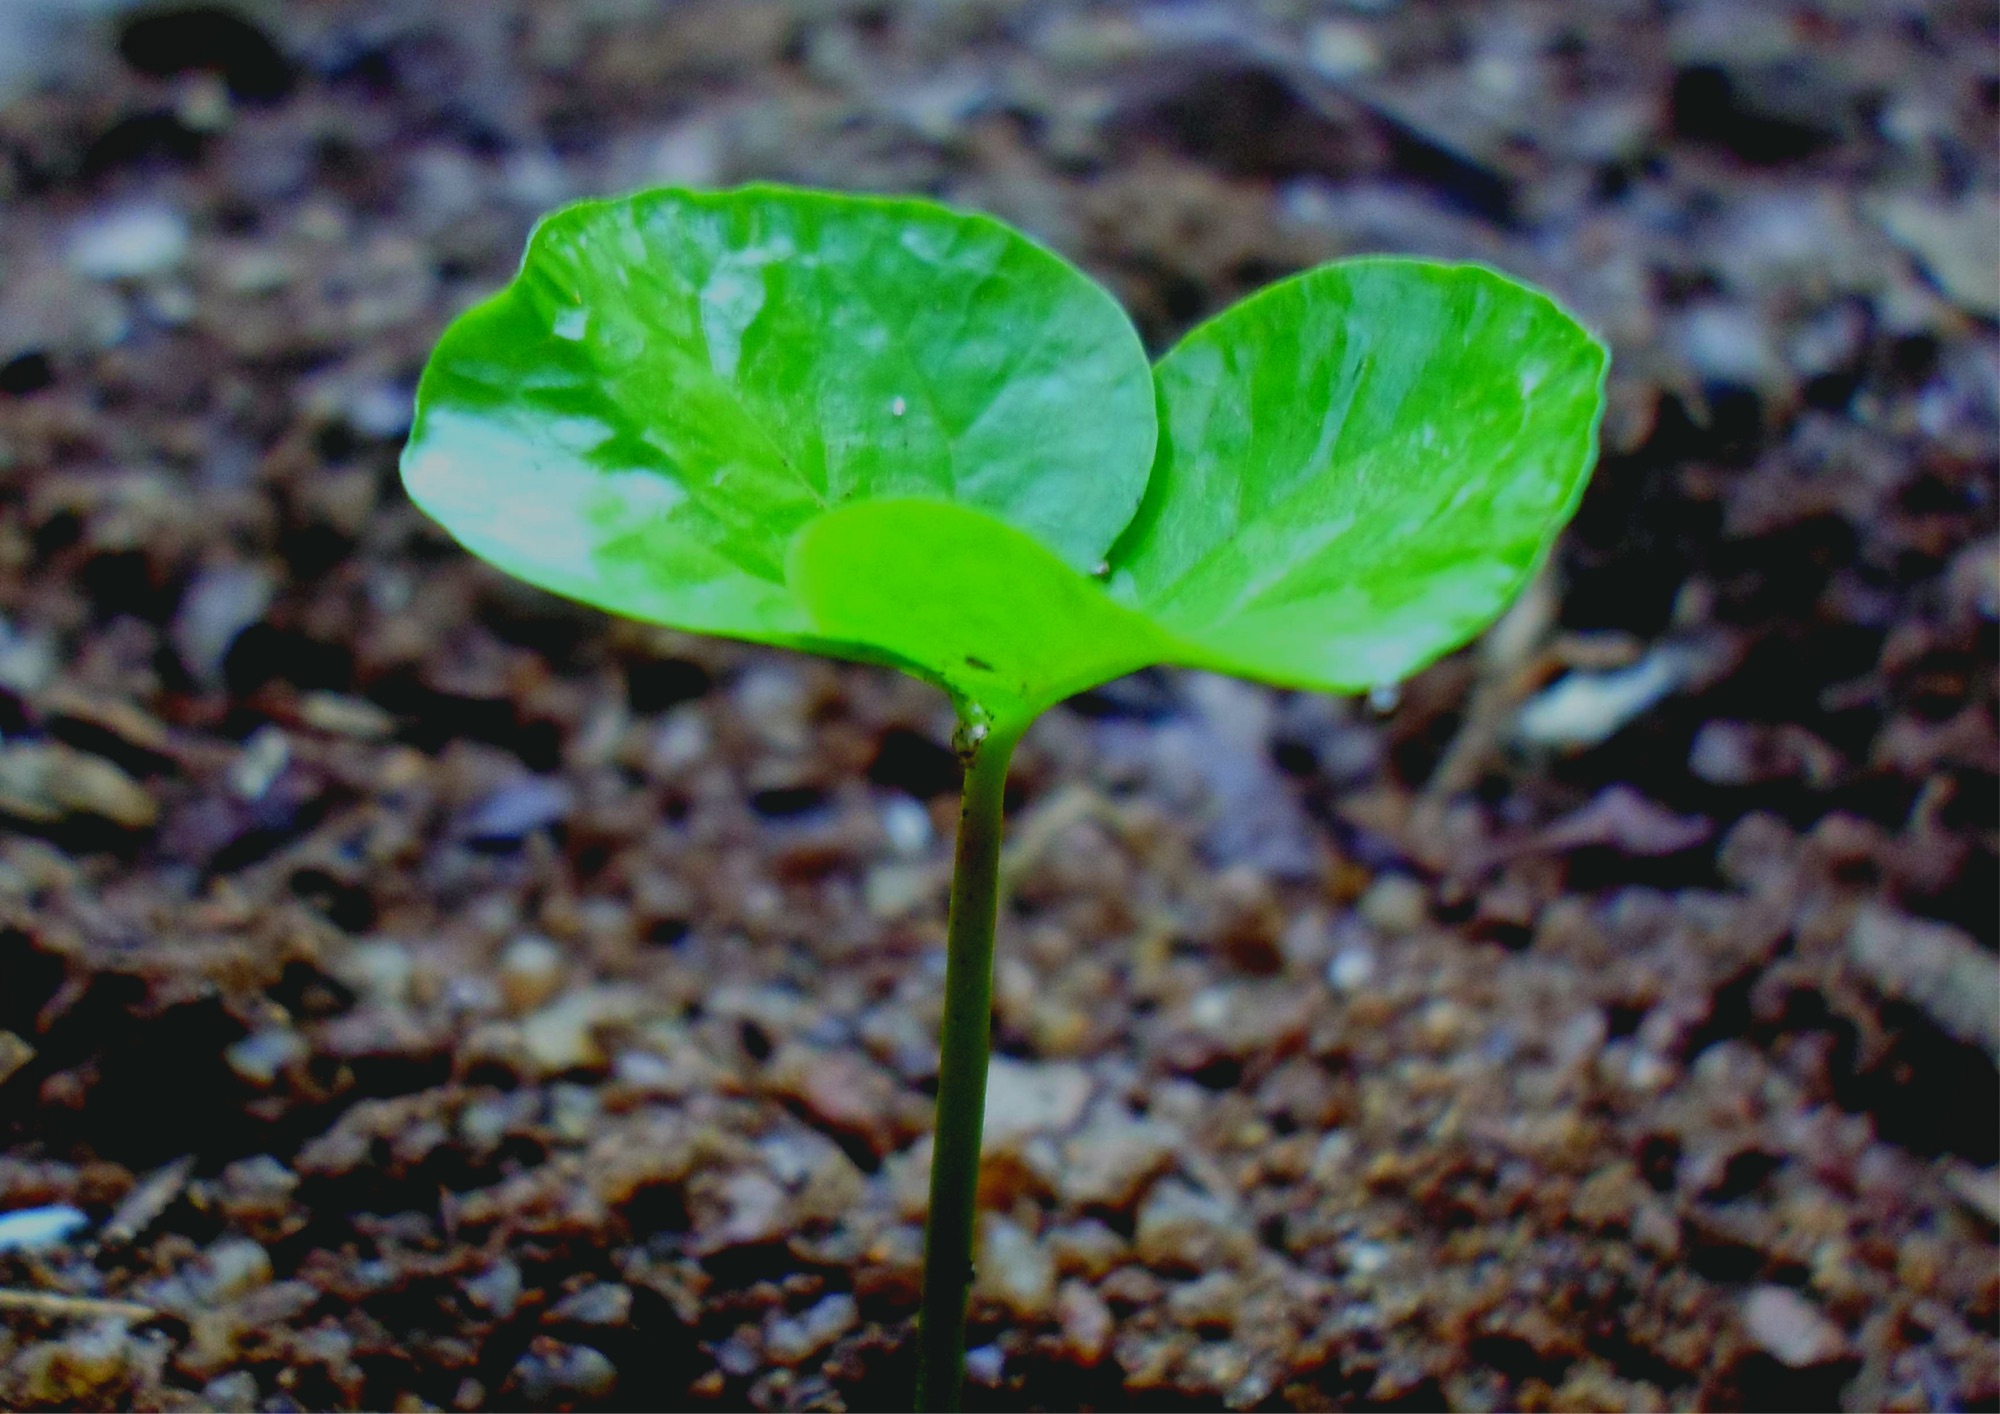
[
  {"x": 1954, "y": 243},
  {"x": 113, "y": 716},
  {"x": 1978, "y": 1189},
  {"x": 222, "y": 601},
  {"x": 46, "y": 782},
  {"x": 74, "y": 1371},
  {"x": 1350, "y": 969},
  {"x": 1585, "y": 709},
  {"x": 129, "y": 242},
  {"x": 1725, "y": 343},
  {"x": 1972, "y": 582},
  {"x": 233, "y": 1393},
  {"x": 1442, "y": 1024},
  {"x": 35, "y": 1229},
  {"x": 1224, "y": 1365},
  {"x": 1180, "y": 1229},
  {"x": 1342, "y": 49},
  {"x": 792, "y": 1340},
  {"x": 1790, "y": 1328},
  {"x": 1209, "y": 1303},
  {"x": 380, "y": 969},
  {"x": 772, "y": 701},
  {"x": 262, "y": 1056},
  {"x": 1935, "y": 966},
  {"x": 230, "y": 1268},
  {"x": 898, "y": 889},
  {"x": 603, "y": 1303},
  {"x": 14, "y": 1054},
  {"x": 497, "y": 1290},
  {"x": 260, "y": 1175},
  {"x": 1013, "y": 1270},
  {"x": 340, "y": 715},
  {"x": 1609, "y": 1197},
  {"x": 985, "y": 1365},
  {"x": 1332, "y": 1156},
  {"x": 1249, "y": 922},
  {"x": 1024, "y": 1099},
  {"x": 1580, "y": 1038},
  {"x": 1395, "y": 904},
  {"x": 518, "y": 809},
  {"x": 1086, "y": 1323},
  {"x": 382, "y": 409},
  {"x": 682, "y": 739},
  {"x": 259, "y": 764},
  {"x": 28, "y": 659},
  {"x": 758, "y": 1211},
  {"x": 552, "y": 1373},
  {"x": 530, "y": 972},
  {"x": 1620, "y": 818},
  {"x": 563, "y": 1035},
  {"x": 573, "y": 1111},
  {"x": 1110, "y": 1163},
  {"x": 841, "y": 1091},
  {"x": 1365, "y": 1259},
  {"x": 1088, "y": 1248},
  {"x": 908, "y": 826}
]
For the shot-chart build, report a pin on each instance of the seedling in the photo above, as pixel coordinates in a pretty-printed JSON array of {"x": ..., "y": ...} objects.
[{"x": 888, "y": 431}]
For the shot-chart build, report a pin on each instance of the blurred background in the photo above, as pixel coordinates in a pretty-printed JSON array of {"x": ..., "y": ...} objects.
[{"x": 416, "y": 992}]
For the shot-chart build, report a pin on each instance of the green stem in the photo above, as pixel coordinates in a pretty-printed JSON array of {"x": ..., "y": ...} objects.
[{"x": 964, "y": 1042}]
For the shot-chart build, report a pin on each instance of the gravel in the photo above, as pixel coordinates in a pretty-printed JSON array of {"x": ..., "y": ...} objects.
[{"x": 422, "y": 993}]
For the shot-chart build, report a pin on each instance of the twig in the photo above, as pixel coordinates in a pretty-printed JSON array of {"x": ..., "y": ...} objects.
[
  {"x": 144, "y": 1204},
  {"x": 49, "y": 1303}
]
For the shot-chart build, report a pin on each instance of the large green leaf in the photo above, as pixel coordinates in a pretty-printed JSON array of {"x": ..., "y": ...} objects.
[
  {"x": 678, "y": 384},
  {"x": 885, "y": 430},
  {"x": 1358, "y": 468}
]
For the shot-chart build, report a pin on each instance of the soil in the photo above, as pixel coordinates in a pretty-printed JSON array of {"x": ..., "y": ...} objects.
[{"x": 416, "y": 992}]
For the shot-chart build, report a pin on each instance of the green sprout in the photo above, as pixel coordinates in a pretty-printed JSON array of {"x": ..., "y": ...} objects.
[{"x": 888, "y": 431}]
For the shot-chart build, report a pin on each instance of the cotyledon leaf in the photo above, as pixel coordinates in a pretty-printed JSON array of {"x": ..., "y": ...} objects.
[
  {"x": 677, "y": 384},
  {"x": 1358, "y": 469},
  {"x": 975, "y": 605}
]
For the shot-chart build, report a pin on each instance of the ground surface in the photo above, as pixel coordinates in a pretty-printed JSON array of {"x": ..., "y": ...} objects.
[{"x": 428, "y": 994}]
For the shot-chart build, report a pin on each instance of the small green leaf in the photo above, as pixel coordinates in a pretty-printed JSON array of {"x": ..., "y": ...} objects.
[
  {"x": 1358, "y": 469},
  {"x": 678, "y": 384},
  {"x": 972, "y": 604}
]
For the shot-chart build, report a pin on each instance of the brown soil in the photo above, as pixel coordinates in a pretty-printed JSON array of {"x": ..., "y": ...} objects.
[{"x": 429, "y": 994}]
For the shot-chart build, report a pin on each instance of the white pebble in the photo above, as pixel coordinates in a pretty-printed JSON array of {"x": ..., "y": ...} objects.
[
  {"x": 31, "y": 1229},
  {"x": 382, "y": 410},
  {"x": 1350, "y": 969},
  {"x": 908, "y": 826},
  {"x": 262, "y": 1056},
  {"x": 1342, "y": 49},
  {"x": 1365, "y": 1258},
  {"x": 260, "y": 763},
  {"x": 530, "y": 972},
  {"x": 1585, "y": 709},
  {"x": 1791, "y": 1327},
  {"x": 129, "y": 243},
  {"x": 984, "y": 1364}
]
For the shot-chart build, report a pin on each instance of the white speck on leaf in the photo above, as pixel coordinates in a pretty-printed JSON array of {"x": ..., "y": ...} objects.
[
  {"x": 571, "y": 323},
  {"x": 898, "y": 408}
]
